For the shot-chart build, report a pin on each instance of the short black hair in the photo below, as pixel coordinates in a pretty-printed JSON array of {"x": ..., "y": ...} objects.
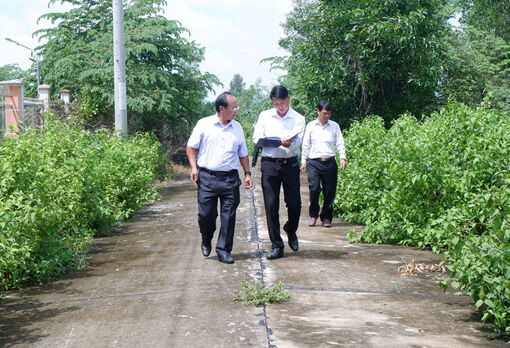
[
  {"x": 222, "y": 100},
  {"x": 279, "y": 92},
  {"x": 324, "y": 104}
]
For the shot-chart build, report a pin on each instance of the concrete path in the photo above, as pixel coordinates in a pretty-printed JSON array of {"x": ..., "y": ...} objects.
[{"x": 149, "y": 286}]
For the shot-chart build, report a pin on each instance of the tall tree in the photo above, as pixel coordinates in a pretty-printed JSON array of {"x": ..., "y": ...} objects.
[
  {"x": 164, "y": 83},
  {"x": 367, "y": 57},
  {"x": 476, "y": 67},
  {"x": 252, "y": 101},
  {"x": 492, "y": 16},
  {"x": 237, "y": 84}
]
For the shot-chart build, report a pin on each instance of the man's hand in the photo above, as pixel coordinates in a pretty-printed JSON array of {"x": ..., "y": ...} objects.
[
  {"x": 303, "y": 168},
  {"x": 343, "y": 164},
  {"x": 286, "y": 142},
  {"x": 193, "y": 175},
  {"x": 248, "y": 181}
]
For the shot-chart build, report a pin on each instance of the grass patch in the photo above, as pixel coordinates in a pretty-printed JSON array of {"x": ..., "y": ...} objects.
[{"x": 255, "y": 293}]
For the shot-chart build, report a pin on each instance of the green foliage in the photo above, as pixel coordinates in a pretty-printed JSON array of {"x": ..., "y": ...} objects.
[
  {"x": 163, "y": 81},
  {"x": 492, "y": 16},
  {"x": 366, "y": 57},
  {"x": 237, "y": 85},
  {"x": 10, "y": 72},
  {"x": 476, "y": 68},
  {"x": 252, "y": 101},
  {"x": 58, "y": 187},
  {"x": 443, "y": 183},
  {"x": 256, "y": 294}
]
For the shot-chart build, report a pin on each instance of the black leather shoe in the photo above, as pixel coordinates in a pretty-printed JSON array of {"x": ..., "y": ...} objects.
[
  {"x": 276, "y": 253},
  {"x": 293, "y": 241},
  {"x": 225, "y": 258},
  {"x": 206, "y": 249}
]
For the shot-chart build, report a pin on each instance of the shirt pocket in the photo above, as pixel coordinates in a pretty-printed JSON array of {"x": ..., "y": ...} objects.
[{"x": 229, "y": 143}]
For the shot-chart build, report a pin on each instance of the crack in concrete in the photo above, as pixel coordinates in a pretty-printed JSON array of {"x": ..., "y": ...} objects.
[
  {"x": 168, "y": 291},
  {"x": 260, "y": 256}
]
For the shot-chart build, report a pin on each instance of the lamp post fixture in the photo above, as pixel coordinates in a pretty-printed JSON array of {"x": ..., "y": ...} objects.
[{"x": 33, "y": 54}]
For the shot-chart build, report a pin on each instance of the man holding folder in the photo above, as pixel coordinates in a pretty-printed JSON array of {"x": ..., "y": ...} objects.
[{"x": 279, "y": 132}]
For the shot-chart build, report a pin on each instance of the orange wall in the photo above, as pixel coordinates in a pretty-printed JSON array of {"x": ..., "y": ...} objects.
[{"x": 13, "y": 111}]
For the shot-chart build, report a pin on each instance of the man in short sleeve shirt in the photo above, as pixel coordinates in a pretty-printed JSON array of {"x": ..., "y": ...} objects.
[{"x": 221, "y": 147}]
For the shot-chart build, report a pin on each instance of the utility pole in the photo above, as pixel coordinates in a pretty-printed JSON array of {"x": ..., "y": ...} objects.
[{"x": 119, "y": 68}]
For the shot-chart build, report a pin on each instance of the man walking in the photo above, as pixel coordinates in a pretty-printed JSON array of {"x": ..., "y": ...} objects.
[
  {"x": 221, "y": 146},
  {"x": 279, "y": 165},
  {"x": 322, "y": 138}
]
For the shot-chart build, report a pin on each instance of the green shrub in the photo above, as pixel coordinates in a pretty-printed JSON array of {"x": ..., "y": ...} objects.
[
  {"x": 58, "y": 187},
  {"x": 441, "y": 183}
]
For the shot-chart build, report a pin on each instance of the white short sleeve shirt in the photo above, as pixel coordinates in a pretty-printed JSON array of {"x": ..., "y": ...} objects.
[{"x": 219, "y": 147}]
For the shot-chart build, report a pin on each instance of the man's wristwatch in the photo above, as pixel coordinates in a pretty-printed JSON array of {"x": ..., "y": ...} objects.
[{"x": 247, "y": 172}]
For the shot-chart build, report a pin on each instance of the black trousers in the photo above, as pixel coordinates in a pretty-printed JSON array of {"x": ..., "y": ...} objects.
[
  {"x": 325, "y": 173},
  {"x": 210, "y": 189},
  {"x": 274, "y": 174}
]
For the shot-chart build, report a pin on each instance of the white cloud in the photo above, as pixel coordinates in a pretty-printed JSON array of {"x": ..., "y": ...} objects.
[{"x": 236, "y": 34}]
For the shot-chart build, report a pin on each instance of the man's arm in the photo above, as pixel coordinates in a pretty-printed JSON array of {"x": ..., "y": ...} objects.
[
  {"x": 258, "y": 130},
  {"x": 192, "y": 158},
  {"x": 340, "y": 146},
  {"x": 305, "y": 149},
  {"x": 245, "y": 163}
]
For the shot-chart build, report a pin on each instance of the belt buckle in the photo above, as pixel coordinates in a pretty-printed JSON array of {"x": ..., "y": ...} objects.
[
  {"x": 324, "y": 159},
  {"x": 285, "y": 161}
]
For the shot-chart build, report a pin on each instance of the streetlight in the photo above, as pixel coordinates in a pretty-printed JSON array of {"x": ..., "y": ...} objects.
[{"x": 33, "y": 54}]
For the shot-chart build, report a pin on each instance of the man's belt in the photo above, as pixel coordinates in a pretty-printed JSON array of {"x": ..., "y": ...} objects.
[
  {"x": 324, "y": 159},
  {"x": 218, "y": 172},
  {"x": 289, "y": 160}
]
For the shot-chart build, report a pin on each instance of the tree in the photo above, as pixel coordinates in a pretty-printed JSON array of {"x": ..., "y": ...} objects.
[
  {"x": 10, "y": 72},
  {"x": 163, "y": 81},
  {"x": 252, "y": 101},
  {"x": 492, "y": 16},
  {"x": 237, "y": 84},
  {"x": 367, "y": 57},
  {"x": 476, "y": 68}
]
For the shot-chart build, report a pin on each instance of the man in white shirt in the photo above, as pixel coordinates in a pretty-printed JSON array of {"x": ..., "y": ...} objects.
[
  {"x": 279, "y": 166},
  {"x": 221, "y": 146},
  {"x": 321, "y": 138}
]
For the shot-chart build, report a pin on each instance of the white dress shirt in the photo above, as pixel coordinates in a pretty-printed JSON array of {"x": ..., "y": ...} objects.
[
  {"x": 219, "y": 147},
  {"x": 320, "y": 141},
  {"x": 270, "y": 124}
]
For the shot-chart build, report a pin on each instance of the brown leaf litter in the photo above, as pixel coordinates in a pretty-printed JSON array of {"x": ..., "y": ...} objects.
[{"x": 412, "y": 269}]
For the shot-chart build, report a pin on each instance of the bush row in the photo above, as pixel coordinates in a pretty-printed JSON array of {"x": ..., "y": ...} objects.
[
  {"x": 441, "y": 183},
  {"x": 58, "y": 187}
]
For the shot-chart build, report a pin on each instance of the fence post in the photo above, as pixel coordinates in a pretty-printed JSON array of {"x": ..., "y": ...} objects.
[
  {"x": 44, "y": 96},
  {"x": 65, "y": 95}
]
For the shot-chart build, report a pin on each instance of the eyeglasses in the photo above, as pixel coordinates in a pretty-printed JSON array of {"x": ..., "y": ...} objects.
[{"x": 235, "y": 108}]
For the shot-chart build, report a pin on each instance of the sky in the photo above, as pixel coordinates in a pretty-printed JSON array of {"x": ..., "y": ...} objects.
[{"x": 236, "y": 34}]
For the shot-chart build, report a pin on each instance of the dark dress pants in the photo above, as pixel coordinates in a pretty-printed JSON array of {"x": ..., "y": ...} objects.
[
  {"x": 273, "y": 176},
  {"x": 210, "y": 189},
  {"x": 325, "y": 173}
]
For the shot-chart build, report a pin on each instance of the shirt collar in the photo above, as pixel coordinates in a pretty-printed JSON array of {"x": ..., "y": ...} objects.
[
  {"x": 319, "y": 124},
  {"x": 289, "y": 114},
  {"x": 218, "y": 123}
]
